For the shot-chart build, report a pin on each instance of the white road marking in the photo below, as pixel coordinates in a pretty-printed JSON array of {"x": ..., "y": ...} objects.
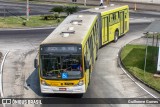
[{"x": 1, "y": 72}]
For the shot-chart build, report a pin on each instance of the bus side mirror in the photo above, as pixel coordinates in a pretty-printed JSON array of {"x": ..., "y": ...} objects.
[{"x": 35, "y": 63}]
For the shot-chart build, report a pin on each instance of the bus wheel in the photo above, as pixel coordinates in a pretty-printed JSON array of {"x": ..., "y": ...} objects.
[
  {"x": 116, "y": 34},
  {"x": 96, "y": 52},
  {"x": 96, "y": 56},
  {"x": 89, "y": 78}
]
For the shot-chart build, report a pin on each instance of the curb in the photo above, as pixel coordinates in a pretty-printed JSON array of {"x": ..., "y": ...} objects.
[
  {"x": 1, "y": 74},
  {"x": 145, "y": 12},
  {"x": 14, "y": 29},
  {"x": 121, "y": 65},
  {"x": 141, "y": 22}
]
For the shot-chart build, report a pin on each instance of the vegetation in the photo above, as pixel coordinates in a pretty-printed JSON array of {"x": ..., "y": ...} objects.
[
  {"x": 71, "y": 9},
  {"x": 51, "y": 17},
  {"x": 38, "y": 21},
  {"x": 133, "y": 57},
  {"x": 0, "y": 55},
  {"x": 57, "y": 9},
  {"x": 67, "y": 9},
  {"x": 34, "y": 21}
]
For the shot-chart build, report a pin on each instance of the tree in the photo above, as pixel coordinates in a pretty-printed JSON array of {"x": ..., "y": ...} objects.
[
  {"x": 71, "y": 9},
  {"x": 58, "y": 9}
]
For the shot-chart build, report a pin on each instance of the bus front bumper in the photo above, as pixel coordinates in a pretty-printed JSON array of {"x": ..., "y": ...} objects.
[{"x": 71, "y": 89}]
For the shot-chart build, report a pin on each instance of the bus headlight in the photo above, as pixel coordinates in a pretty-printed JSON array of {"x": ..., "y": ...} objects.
[
  {"x": 81, "y": 82},
  {"x": 43, "y": 82}
]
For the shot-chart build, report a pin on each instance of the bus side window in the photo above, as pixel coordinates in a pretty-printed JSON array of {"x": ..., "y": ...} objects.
[
  {"x": 111, "y": 19},
  {"x": 93, "y": 35},
  {"x": 86, "y": 63},
  {"x": 126, "y": 13},
  {"x": 118, "y": 16},
  {"x": 96, "y": 32},
  {"x": 91, "y": 44},
  {"x": 87, "y": 51}
]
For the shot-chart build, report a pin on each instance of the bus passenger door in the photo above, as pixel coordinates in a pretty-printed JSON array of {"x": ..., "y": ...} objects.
[
  {"x": 121, "y": 22},
  {"x": 105, "y": 30}
]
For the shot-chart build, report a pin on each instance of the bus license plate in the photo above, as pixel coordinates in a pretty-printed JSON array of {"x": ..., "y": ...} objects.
[{"x": 62, "y": 89}]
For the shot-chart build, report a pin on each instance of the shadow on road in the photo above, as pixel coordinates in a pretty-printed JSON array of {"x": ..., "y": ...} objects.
[{"x": 33, "y": 82}]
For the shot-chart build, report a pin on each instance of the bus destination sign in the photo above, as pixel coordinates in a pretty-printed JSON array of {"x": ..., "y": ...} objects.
[{"x": 60, "y": 49}]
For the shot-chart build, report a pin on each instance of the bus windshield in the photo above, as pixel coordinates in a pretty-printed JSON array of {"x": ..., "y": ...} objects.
[{"x": 61, "y": 67}]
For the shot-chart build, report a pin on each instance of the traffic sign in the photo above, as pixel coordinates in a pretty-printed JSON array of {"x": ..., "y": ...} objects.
[{"x": 64, "y": 75}]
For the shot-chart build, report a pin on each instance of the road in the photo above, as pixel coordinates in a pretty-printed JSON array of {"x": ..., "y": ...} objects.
[
  {"x": 18, "y": 9},
  {"x": 18, "y": 66},
  {"x": 11, "y": 9}
]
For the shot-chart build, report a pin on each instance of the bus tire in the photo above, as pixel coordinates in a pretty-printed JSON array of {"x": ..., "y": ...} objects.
[
  {"x": 96, "y": 52},
  {"x": 96, "y": 56},
  {"x": 116, "y": 34},
  {"x": 89, "y": 78}
]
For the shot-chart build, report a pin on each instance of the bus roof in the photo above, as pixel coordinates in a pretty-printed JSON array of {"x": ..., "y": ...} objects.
[
  {"x": 72, "y": 30},
  {"x": 109, "y": 8}
]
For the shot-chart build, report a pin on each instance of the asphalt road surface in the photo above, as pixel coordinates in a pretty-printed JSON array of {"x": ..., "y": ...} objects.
[
  {"x": 11, "y": 9},
  {"x": 17, "y": 9}
]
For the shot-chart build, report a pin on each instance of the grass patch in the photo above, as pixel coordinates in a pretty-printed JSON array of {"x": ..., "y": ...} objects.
[
  {"x": 132, "y": 57},
  {"x": 34, "y": 21}
]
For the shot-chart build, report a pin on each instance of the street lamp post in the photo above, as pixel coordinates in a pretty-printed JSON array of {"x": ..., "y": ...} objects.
[
  {"x": 135, "y": 6},
  {"x": 85, "y": 2},
  {"x": 4, "y": 14},
  {"x": 107, "y": 2},
  {"x": 27, "y": 10}
]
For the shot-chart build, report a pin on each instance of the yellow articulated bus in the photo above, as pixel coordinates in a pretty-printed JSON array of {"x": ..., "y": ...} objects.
[{"x": 66, "y": 57}]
